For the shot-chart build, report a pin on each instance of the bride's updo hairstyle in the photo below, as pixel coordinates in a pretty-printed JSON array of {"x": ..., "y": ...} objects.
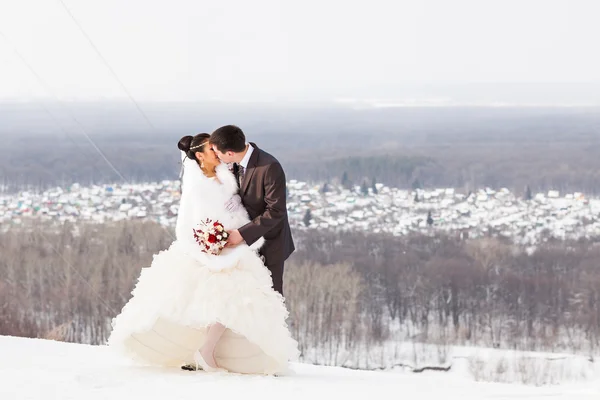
[{"x": 190, "y": 145}]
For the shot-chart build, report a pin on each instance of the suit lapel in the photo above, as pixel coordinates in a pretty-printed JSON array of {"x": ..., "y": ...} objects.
[
  {"x": 236, "y": 173},
  {"x": 250, "y": 170}
]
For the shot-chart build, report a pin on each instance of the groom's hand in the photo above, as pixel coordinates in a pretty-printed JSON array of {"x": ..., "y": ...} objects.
[{"x": 234, "y": 239}]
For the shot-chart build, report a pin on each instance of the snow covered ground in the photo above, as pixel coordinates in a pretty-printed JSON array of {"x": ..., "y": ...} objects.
[{"x": 42, "y": 369}]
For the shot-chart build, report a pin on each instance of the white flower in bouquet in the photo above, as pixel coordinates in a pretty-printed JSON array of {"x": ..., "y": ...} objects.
[{"x": 211, "y": 236}]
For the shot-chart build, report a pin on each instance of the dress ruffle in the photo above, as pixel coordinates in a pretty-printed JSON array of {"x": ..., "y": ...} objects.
[{"x": 178, "y": 297}]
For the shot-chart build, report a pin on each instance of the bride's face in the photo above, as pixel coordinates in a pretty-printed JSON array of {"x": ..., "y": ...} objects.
[{"x": 209, "y": 157}]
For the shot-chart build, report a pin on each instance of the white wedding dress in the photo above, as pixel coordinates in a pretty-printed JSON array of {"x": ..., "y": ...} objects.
[{"x": 185, "y": 290}]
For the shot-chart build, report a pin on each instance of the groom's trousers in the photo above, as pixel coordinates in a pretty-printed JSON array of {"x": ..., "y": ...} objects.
[
  {"x": 274, "y": 264},
  {"x": 277, "y": 275}
]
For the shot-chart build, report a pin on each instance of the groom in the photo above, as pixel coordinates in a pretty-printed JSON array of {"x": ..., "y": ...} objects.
[{"x": 263, "y": 191}]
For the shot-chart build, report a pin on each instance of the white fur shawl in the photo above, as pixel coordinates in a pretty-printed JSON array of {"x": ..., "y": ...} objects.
[{"x": 203, "y": 198}]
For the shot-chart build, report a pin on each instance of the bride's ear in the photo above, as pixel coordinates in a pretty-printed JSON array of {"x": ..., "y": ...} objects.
[{"x": 200, "y": 159}]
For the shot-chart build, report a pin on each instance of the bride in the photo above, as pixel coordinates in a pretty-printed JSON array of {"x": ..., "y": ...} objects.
[{"x": 194, "y": 308}]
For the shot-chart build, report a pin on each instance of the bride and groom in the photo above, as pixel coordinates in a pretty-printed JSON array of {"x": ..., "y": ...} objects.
[{"x": 221, "y": 312}]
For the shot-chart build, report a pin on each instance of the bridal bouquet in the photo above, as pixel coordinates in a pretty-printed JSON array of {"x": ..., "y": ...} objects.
[{"x": 211, "y": 236}]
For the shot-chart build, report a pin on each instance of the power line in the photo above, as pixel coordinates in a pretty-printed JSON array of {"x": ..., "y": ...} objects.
[
  {"x": 47, "y": 88},
  {"x": 106, "y": 64},
  {"x": 51, "y": 114}
]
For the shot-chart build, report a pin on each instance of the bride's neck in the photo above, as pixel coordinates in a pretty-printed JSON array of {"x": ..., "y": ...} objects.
[{"x": 210, "y": 174}]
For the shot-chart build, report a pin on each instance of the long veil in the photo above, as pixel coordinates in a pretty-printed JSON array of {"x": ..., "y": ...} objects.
[{"x": 190, "y": 173}]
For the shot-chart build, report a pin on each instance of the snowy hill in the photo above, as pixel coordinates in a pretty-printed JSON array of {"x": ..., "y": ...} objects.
[{"x": 42, "y": 369}]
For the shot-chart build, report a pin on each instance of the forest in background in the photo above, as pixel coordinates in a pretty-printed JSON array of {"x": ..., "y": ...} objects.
[{"x": 345, "y": 292}]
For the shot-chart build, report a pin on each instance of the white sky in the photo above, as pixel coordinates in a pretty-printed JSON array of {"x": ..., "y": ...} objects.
[{"x": 268, "y": 49}]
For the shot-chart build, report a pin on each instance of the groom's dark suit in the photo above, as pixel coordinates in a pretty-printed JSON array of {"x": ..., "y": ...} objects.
[{"x": 263, "y": 193}]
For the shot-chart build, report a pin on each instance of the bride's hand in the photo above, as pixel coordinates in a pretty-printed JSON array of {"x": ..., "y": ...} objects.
[{"x": 234, "y": 203}]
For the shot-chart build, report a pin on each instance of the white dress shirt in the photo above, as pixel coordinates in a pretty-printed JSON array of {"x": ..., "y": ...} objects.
[{"x": 246, "y": 159}]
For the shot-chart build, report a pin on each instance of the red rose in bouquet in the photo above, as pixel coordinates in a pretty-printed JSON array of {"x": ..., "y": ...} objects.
[{"x": 211, "y": 236}]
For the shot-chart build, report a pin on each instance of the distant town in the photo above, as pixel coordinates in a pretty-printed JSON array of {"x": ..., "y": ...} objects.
[{"x": 375, "y": 208}]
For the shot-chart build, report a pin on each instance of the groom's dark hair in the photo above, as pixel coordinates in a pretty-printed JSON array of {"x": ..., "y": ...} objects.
[{"x": 228, "y": 138}]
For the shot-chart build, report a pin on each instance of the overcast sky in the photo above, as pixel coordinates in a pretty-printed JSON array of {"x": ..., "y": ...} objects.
[{"x": 267, "y": 49}]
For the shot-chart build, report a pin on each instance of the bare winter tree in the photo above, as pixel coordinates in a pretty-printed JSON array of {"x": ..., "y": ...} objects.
[{"x": 347, "y": 293}]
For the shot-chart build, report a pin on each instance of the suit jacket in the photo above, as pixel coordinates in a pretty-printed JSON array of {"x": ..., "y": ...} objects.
[{"x": 263, "y": 192}]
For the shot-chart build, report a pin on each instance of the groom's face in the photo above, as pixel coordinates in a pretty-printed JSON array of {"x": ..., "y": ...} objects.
[{"x": 227, "y": 157}]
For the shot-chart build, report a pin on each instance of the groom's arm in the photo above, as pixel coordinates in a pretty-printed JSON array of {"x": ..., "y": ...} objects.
[{"x": 275, "y": 212}]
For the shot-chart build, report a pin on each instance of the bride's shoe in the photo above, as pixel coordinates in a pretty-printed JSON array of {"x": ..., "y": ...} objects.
[{"x": 202, "y": 364}]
